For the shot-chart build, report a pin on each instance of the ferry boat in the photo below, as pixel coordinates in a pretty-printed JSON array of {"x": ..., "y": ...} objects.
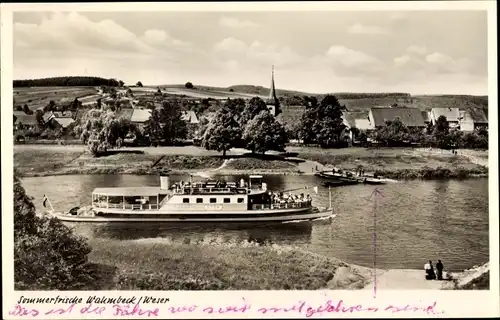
[
  {"x": 208, "y": 201},
  {"x": 339, "y": 178}
]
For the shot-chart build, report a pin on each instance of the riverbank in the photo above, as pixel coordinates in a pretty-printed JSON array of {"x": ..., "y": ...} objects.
[
  {"x": 397, "y": 163},
  {"x": 400, "y": 164},
  {"x": 163, "y": 265},
  {"x": 240, "y": 266}
]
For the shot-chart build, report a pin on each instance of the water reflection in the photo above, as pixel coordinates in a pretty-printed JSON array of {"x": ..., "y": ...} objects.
[{"x": 263, "y": 234}]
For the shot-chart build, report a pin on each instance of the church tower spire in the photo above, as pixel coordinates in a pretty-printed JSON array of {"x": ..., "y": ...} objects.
[
  {"x": 272, "y": 90},
  {"x": 273, "y": 104}
]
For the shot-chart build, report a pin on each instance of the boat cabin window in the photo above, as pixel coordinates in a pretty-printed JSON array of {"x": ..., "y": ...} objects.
[
  {"x": 241, "y": 200},
  {"x": 213, "y": 200},
  {"x": 185, "y": 200},
  {"x": 227, "y": 200},
  {"x": 199, "y": 200}
]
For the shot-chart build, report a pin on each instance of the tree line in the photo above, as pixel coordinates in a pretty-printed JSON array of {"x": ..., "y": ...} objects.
[
  {"x": 439, "y": 135},
  {"x": 240, "y": 124},
  {"x": 67, "y": 82}
]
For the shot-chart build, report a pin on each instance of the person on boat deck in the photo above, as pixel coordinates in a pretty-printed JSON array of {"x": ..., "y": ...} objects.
[
  {"x": 429, "y": 271},
  {"x": 439, "y": 268}
]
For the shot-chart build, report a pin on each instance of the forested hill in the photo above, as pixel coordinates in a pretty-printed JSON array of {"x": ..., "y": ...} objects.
[
  {"x": 259, "y": 90},
  {"x": 67, "y": 82}
]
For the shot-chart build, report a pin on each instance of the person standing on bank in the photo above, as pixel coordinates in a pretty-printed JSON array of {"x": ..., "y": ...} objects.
[
  {"x": 439, "y": 268},
  {"x": 429, "y": 271}
]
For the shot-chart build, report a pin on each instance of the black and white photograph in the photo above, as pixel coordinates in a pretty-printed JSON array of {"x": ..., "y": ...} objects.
[{"x": 250, "y": 150}]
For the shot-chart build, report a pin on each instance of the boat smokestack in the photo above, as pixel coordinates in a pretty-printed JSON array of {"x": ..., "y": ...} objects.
[{"x": 164, "y": 181}]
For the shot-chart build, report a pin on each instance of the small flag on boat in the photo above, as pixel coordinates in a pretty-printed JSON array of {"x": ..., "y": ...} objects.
[{"x": 45, "y": 199}]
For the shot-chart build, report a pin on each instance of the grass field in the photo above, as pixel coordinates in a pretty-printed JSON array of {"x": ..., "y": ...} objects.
[
  {"x": 37, "y": 97},
  {"x": 159, "y": 265},
  {"x": 36, "y": 160}
]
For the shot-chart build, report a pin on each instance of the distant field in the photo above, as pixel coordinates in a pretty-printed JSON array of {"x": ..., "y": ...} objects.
[
  {"x": 422, "y": 102},
  {"x": 36, "y": 97}
]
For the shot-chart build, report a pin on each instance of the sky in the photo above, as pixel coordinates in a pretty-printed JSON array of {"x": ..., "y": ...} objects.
[{"x": 419, "y": 52}]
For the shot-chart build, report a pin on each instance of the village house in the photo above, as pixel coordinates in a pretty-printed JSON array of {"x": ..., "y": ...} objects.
[
  {"x": 59, "y": 119},
  {"x": 426, "y": 115},
  {"x": 452, "y": 116},
  {"x": 472, "y": 120},
  {"x": 410, "y": 117},
  {"x": 141, "y": 115},
  {"x": 358, "y": 120},
  {"x": 25, "y": 121}
]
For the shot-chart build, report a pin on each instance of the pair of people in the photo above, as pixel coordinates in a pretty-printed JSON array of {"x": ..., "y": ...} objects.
[{"x": 429, "y": 270}]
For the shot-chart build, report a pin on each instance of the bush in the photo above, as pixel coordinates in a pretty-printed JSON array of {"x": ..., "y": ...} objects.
[
  {"x": 162, "y": 281},
  {"x": 47, "y": 255}
]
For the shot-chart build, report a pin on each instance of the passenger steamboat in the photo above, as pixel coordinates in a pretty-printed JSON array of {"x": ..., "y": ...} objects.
[{"x": 206, "y": 201}]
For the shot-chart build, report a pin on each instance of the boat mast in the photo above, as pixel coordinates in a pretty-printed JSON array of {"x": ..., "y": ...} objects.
[{"x": 330, "y": 197}]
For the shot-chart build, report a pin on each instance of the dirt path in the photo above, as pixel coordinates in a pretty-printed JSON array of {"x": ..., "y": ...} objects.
[
  {"x": 471, "y": 155},
  {"x": 409, "y": 279},
  {"x": 308, "y": 167}
]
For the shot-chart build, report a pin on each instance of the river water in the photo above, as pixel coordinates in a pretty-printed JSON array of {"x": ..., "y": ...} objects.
[{"x": 411, "y": 222}]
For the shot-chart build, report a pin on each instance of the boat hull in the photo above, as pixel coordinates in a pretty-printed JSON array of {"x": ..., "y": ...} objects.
[{"x": 311, "y": 215}]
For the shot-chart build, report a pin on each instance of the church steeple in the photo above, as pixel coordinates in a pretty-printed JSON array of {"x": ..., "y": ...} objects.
[
  {"x": 272, "y": 101},
  {"x": 272, "y": 91}
]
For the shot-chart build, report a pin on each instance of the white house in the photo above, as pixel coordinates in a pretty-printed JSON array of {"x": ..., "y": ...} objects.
[
  {"x": 452, "y": 116},
  {"x": 466, "y": 122}
]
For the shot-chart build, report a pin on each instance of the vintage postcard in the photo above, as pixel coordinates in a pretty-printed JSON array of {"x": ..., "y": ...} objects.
[{"x": 249, "y": 160}]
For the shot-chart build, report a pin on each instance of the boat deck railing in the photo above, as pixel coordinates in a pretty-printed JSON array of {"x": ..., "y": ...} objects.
[
  {"x": 209, "y": 190},
  {"x": 278, "y": 206},
  {"x": 126, "y": 206}
]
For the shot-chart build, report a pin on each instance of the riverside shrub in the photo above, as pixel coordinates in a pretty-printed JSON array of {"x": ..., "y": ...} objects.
[{"x": 47, "y": 255}]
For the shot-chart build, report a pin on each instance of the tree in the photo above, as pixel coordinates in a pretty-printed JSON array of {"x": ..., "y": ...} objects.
[
  {"x": 47, "y": 255},
  {"x": 27, "y": 110},
  {"x": 121, "y": 83},
  {"x": 174, "y": 128},
  {"x": 39, "y": 118},
  {"x": 441, "y": 132},
  {"x": 223, "y": 132},
  {"x": 153, "y": 129},
  {"x": 189, "y": 85},
  {"x": 322, "y": 123},
  {"x": 50, "y": 107},
  {"x": 139, "y": 84},
  {"x": 264, "y": 133},
  {"x": 292, "y": 129},
  {"x": 100, "y": 130},
  {"x": 331, "y": 122},
  {"x": 254, "y": 107},
  {"x": 394, "y": 133}
]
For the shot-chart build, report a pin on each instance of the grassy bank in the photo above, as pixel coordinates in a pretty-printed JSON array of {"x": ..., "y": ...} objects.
[
  {"x": 170, "y": 266},
  {"x": 396, "y": 163},
  {"x": 38, "y": 162}
]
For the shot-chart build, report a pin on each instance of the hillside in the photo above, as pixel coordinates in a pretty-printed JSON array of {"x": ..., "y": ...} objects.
[
  {"x": 292, "y": 104},
  {"x": 65, "y": 82}
]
